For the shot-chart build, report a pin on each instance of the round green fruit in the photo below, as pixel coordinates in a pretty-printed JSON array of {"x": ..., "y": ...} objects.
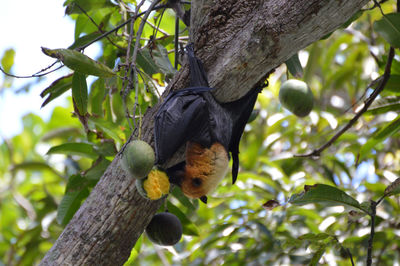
[
  {"x": 138, "y": 159},
  {"x": 296, "y": 96},
  {"x": 164, "y": 229}
]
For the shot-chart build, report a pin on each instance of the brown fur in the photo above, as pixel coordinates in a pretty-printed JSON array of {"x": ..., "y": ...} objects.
[{"x": 209, "y": 165}]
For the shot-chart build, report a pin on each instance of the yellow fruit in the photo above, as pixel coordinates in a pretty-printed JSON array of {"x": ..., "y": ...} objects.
[
  {"x": 154, "y": 186},
  {"x": 297, "y": 97},
  {"x": 138, "y": 159}
]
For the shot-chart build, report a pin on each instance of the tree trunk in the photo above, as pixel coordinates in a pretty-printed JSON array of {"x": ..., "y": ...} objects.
[{"x": 239, "y": 42}]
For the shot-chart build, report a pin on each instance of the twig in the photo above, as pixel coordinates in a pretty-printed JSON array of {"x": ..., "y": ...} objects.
[
  {"x": 98, "y": 27},
  {"x": 130, "y": 85},
  {"x": 350, "y": 255},
  {"x": 379, "y": 6},
  {"x": 36, "y": 75},
  {"x": 157, "y": 29},
  {"x": 158, "y": 26},
  {"x": 370, "y": 85},
  {"x": 135, "y": 51},
  {"x": 141, "y": 73},
  {"x": 122, "y": 25},
  {"x": 367, "y": 103},
  {"x": 371, "y": 236},
  {"x": 375, "y": 5},
  {"x": 346, "y": 249}
]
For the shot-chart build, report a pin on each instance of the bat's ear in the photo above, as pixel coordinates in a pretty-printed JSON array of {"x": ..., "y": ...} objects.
[{"x": 203, "y": 199}]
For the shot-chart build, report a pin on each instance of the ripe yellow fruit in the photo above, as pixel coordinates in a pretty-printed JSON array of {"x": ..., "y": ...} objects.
[
  {"x": 297, "y": 97},
  {"x": 154, "y": 186},
  {"x": 138, "y": 159}
]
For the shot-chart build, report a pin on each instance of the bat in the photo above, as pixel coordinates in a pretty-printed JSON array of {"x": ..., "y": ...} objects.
[{"x": 210, "y": 130}]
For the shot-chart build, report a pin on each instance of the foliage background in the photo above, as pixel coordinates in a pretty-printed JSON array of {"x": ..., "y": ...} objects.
[{"x": 50, "y": 167}]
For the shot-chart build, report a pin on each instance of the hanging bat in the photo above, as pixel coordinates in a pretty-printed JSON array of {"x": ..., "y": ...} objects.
[{"x": 210, "y": 130}]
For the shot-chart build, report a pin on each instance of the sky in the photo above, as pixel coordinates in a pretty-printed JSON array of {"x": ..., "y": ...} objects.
[{"x": 26, "y": 26}]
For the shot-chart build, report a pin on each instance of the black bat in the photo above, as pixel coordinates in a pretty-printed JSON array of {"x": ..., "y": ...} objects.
[{"x": 209, "y": 129}]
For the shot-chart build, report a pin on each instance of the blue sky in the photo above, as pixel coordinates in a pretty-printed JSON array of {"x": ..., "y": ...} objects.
[{"x": 26, "y": 26}]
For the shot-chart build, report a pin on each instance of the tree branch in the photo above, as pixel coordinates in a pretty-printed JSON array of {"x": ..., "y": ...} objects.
[{"x": 384, "y": 79}]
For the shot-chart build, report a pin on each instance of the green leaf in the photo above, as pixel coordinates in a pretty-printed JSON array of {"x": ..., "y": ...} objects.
[
  {"x": 106, "y": 148},
  {"x": 80, "y": 92},
  {"x": 393, "y": 188},
  {"x": 7, "y": 61},
  {"x": 379, "y": 136},
  {"x": 34, "y": 166},
  {"x": 57, "y": 88},
  {"x": 79, "y": 62},
  {"x": 81, "y": 149},
  {"x": 62, "y": 133},
  {"x": 177, "y": 193},
  {"x": 314, "y": 237},
  {"x": 96, "y": 97},
  {"x": 160, "y": 56},
  {"x": 320, "y": 193},
  {"x": 294, "y": 66},
  {"x": 393, "y": 84},
  {"x": 389, "y": 28},
  {"x": 317, "y": 256},
  {"x": 146, "y": 62},
  {"x": 384, "y": 105},
  {"x": 189, "y": 228},
  {"x": 135, "y": 252},
  {"x": 76, "y": 191},
  {"x": 108, "y": 127},
  {"x": 97, "y": 169}
]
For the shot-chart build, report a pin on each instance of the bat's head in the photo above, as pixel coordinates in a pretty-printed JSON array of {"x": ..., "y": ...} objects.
[{"x": 204, "y": 169}]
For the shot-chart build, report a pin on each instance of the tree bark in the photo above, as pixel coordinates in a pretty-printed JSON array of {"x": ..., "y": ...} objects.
[{"x": 239, "y": 42}]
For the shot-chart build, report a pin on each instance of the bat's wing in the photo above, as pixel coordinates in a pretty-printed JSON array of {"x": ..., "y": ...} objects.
[
  {"x": 240, "y": 112},
  {"x": 198, "y": 76},
  {"x": 181, "y": 116}
]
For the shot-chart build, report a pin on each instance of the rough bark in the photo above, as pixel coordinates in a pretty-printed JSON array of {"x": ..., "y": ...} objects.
[{"x": 240, "y": 42}]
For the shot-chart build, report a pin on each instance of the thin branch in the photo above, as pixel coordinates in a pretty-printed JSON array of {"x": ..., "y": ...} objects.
[
  {"x": 345, "y": 249},
  {"x": 36, "y": 75},
  {"x": 371, "y": 236},
  {"x": 122, "y": 25},
  {"x": 370, "y": 85},
  {"x": 129, "y": 85},
  {"x": 156, "y": 29},
  {"x": 135, "y": 51},
  {"x": 158, "y": 26},
  {"x": 379, "y": 6},
  {"x": 141, "y": 73},
  {"x": 367, "y": 103},
  {"x": 375, "y": 5},
  {"x": 97, "y": 26}
]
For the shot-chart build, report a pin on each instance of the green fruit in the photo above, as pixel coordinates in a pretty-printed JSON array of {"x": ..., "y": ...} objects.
[
  {"x": 164, "y": 229},
  {"x": 138, "y": 159},
  {"x": 297, "y": 97}
]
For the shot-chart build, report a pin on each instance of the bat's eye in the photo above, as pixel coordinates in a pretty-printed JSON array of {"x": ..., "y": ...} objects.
[{"x": 196, "y": 182}]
